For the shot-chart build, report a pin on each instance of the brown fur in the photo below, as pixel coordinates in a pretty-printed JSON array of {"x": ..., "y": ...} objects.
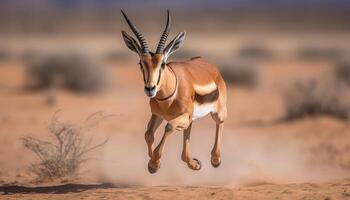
[
  {"x": 178, "y": 110},
  {"x": 176, "y": 89}
]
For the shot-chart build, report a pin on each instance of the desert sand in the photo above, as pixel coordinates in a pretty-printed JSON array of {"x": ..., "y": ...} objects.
[{"x": 262, "y": 156}]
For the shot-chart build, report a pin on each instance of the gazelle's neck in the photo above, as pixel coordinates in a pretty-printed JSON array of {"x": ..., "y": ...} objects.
[{"x": 169, "y": 85}]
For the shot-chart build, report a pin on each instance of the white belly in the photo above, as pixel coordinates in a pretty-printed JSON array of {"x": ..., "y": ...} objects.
[{"x": 200, "y": 111}]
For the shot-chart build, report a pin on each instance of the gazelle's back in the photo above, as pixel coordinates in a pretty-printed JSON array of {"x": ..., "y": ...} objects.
[
  {"x": 198, "y": 70},
  {"x": 202, "y": 75}
]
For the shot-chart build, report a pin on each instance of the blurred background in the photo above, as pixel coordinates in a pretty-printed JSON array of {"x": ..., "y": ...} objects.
[{"x": 286, "y": 64}]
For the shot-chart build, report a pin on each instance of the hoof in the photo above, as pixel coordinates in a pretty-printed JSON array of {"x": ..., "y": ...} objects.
[
  {"x": 215, "y": 162},
  {"x": 152, "y": 169},
  {"x": 199, "y": 164}
]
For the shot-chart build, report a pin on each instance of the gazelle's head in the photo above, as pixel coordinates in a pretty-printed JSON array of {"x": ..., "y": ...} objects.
[{"x": 152, "y": 64}]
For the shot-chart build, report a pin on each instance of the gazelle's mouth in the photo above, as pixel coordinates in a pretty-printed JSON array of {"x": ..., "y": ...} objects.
[{"x": 150, "y": 92}]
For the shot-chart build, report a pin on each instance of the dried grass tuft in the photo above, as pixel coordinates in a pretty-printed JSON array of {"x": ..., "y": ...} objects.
[
  {"x": 342, "y": 71},
  {"x": 316, "y": 52},
  {"x": 63, "y": 156},
  {"x": 74, "y": 70},
  {"x": 255, "y": 51},
  {"x": 240, "y": 73},
  {"x": 315, "y": 97}
]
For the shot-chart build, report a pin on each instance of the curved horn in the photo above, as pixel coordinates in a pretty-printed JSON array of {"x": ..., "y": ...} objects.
[
  {"x": 165, "y": 34},
  {"x": 137, "y": 33}
]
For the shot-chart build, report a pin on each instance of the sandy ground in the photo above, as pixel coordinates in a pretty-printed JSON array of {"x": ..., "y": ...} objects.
[
  {"x": 262, "y": 158},
  {"x": 335, "y": 190}
]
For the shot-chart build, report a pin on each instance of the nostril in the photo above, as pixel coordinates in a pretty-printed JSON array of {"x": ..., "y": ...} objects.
[{"x": 150, "y": 89}]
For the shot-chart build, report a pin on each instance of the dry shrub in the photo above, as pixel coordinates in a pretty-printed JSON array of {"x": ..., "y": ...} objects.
[
  {"x": 184, "y": 54},
  {"x": 116, "y": 55},
  {"x": 342, "y": 71},
  {"x": 5, "y": 54},
  {"x": 332, "y": 153},
  {"x": 255, "y": 51},
  {"x": 240, "y": 73},
  {"x": 30, "y": 54},
  {"x": 314, "y": 98},
  {"x": 74, "y": 70},
  {"x": 314, "y": 52},
  {"x": 64, "y": 156}
]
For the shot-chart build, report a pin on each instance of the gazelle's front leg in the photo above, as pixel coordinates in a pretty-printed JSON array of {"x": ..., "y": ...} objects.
[
  {"x": 152, "y": 126},
  {"x": 180, "y": 123},
  {"x": 192, "y": 163}
]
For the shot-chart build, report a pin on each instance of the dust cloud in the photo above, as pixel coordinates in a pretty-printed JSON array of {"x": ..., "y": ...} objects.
[{"x": 247, "y": 159}]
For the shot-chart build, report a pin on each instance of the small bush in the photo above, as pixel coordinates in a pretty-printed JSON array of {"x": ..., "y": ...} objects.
[
  {"x": 63, "y": 157},
  {"x": 342, "y": 71},
  {"x": 29, "y": 55},
  {"x": 183, "y": 54},
  {"x": 240, "y": 73},
  {"x": 72, "y": 70},
  {"x": 319, "y": 52},
  {"x": 5, "y": 54},
  {"x": 314, "y": 98},
  {"x": 255, "y": 51},
  {"x": 116, "y": 55}
]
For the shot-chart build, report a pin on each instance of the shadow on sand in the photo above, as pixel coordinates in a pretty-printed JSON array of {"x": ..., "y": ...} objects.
[{"x": 55, "y": 189}]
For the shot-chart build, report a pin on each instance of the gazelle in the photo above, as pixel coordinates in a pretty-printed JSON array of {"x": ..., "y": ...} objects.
[{"x": 179, "y": 92}]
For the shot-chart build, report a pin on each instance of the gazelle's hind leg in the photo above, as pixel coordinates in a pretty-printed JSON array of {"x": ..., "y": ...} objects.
[
  {"x": 219, "y": 119},
  {"x": 192, "y": 163},
  {"x": 215, "y": 153}
]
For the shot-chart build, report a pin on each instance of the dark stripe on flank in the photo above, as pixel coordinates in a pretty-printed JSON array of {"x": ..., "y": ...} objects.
[{"x": 207, "y": 98}]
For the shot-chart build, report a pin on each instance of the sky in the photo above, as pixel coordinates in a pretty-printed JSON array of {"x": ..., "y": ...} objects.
[{"x": 180, "y": 4}]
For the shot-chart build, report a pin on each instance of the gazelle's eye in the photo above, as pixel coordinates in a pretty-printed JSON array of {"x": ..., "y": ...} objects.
[{"x": 163, "y": 65}]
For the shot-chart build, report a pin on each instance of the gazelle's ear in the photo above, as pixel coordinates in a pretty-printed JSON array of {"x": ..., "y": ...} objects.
[
  {"x": 174, "y": 45},
  {"x": 131, "y": 43}
]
